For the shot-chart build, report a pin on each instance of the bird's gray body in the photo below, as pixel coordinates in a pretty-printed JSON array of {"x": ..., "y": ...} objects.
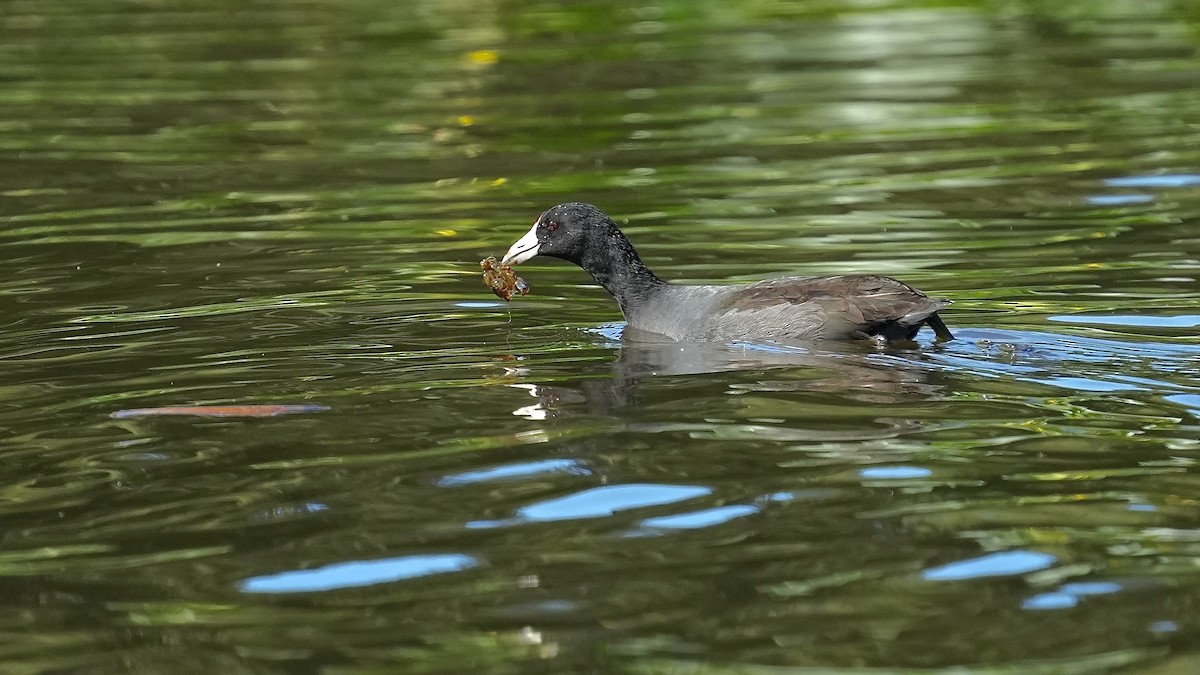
[{"x": 786, "y": 309}]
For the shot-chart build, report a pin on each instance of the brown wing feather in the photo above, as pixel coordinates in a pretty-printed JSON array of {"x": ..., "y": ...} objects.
[{"x": 850, "y": 304}]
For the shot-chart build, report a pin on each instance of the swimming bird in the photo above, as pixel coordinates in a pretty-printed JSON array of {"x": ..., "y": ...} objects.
[{"x": 786, "y": 309}]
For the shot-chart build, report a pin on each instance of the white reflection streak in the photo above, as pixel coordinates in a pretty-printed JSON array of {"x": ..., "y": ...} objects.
[{"x": 536, "y": 411}]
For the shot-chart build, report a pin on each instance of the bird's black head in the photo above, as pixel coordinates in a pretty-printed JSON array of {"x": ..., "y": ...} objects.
[
  {"x": 584, "y": 235},
  {"x": 567, "y": 231}
]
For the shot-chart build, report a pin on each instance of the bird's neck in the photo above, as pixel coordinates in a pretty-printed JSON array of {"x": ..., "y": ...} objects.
[{"x": 621, "y": 272}]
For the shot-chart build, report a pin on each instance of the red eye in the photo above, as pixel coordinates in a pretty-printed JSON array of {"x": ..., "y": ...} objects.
[{"x": 552, "y": 226}]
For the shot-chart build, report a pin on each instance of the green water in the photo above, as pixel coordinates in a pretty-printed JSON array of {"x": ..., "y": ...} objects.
[{"x": 285, "y": 203}]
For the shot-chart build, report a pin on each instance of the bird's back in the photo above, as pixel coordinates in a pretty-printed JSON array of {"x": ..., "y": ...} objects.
[{"x": 794, "y": 308}]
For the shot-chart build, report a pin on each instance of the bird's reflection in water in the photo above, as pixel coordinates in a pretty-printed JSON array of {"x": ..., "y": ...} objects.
[{"x": 859, "y": 371}]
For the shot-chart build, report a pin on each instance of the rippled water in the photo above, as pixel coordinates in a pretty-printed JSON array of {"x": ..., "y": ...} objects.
[{"x": 284, "y": 204}]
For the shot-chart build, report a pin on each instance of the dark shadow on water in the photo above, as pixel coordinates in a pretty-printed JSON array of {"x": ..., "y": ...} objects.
[
  {"x": 871, "y": 374},
  {"x": 835, "y": 366},
  {"x": 861, "y": 371}
]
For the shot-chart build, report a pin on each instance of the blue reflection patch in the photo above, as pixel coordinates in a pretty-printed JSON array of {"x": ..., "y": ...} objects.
[
  {"x": 1068, "y": 596},
  {"x": 1085, "y": 384},
  {"x": 1050, "y": 601},
  {"x": 609, "y": 499},
  {"x": 486, "y": 524},
  {"x": 609, "y": 331},
  {"x": 895, "y": 472},
  {"x": 1186, "y": 400},
  {"x": 1091, "y": 588},
  {"x": 357, "y": 573},
  {"x": 1137, "y": 320},
  {"x": 1117, "y": 200},
  {"x": 476, "y": 304},
  {"x": 1163, "y": 180},
  {"x": 511, "y": 471},
  {"x": 1005, "y": 564},
  {"x": 698, "y": 519}
]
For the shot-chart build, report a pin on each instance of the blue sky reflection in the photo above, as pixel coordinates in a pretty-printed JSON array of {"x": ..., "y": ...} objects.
[{"x": 357, "y": 573}]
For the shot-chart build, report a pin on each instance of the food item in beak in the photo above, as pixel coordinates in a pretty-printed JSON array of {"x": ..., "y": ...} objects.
[{"x": 501, "y": 278}]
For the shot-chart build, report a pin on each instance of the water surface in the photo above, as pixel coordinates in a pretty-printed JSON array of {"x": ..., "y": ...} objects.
[{"x": 284, "y": 204}]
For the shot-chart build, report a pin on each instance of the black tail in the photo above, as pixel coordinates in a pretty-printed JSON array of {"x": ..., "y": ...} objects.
[{"x": 935, "y": 322}]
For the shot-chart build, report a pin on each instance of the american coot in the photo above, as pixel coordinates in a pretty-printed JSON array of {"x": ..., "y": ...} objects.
[{"x": 787, "y": 309}]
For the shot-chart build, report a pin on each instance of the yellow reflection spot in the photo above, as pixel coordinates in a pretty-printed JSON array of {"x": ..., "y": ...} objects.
[
  {"x": 499, "y": 181},
  {"x": 466, "y": 120},
  {"x": 33, "y": 192},
  {"x": 1094, "y": 266},
  {"x": 484, "y": 57},
  {"x": 406, "y": 128},
  {"x": 447, "y": 233}
]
